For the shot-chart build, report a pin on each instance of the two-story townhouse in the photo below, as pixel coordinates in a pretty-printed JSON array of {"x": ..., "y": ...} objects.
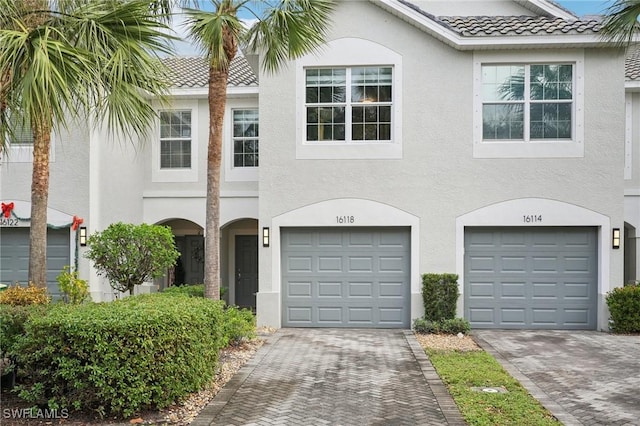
[
  {"x": 483, "y": 138},
  {"x": 101, "y": 178},
  {"x": 479, "y": 137}
]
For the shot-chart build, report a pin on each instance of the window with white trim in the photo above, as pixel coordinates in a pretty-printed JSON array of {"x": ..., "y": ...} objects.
[
  {"x": 245, "y": 138},
  {"x": 349, "y": 104},
  {"x": 529, "y": 105},
  {"x": 527, "y": 102},
  {"x": 175, "y": 139}
]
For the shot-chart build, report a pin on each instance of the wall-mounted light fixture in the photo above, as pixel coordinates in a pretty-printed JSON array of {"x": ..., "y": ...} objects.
[
  {"x": 615, "y": 241},
  {"x": 265, "y": 237},
  {"x": 83, "y": 236}
]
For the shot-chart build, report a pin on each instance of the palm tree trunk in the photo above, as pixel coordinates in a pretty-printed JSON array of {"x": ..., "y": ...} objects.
[
  {"x": 39, "y": 201},
  {"x": 217, "y": 101}
]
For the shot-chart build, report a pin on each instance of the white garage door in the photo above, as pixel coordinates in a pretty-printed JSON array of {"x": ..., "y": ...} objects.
[
  {"x": 531, "y": 278},
  {"x": 338, "y": 277},
  {"x": 14, "y": 256}
]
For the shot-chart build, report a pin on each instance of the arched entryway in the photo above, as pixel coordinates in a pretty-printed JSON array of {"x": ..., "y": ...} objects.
[{"x": 189, "y": 238}]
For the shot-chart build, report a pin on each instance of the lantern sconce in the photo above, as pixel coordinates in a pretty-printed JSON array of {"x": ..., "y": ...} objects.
[
  {"x": 83, "y": 236},
  {"x": 615, "y": 241},
  {"x": 265, "y": 237}
]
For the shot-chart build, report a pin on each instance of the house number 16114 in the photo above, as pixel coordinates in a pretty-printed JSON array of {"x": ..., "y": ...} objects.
[
  {"x": 345, "y": 219},
  {"x": 532, "y": 218}
]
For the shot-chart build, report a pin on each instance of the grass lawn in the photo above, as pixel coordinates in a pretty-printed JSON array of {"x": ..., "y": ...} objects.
[{"x": 461, "y": 371}]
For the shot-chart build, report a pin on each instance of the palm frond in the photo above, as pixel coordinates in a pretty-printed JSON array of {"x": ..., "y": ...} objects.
[
  {"x": 216, "y": 33},
  {"x": 621, "y": 24},
  {"x": 289, "y": 30}
]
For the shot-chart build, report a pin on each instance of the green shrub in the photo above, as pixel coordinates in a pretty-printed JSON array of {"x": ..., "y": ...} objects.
[
  {"x": 239, "y": 324},
  {"x": 18, "y": 295},
  {"x": 624, "y": 307},
  {"x": 12, "y": 323},
  {"x": 141, "y": 352},
  {"x": 193, "y": 290},
  {"x": 440, "y": 295},
  {"x": 448, "y": 326},
  {"x": 129, "y": 255},
  {"x": 74, "y": 290}
]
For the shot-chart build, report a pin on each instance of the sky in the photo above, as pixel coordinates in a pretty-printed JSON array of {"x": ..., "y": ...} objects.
[{"x": 586, "y": 7}]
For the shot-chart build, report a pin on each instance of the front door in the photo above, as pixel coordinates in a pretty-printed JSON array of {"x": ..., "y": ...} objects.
[{"x": 246, "y": 270}]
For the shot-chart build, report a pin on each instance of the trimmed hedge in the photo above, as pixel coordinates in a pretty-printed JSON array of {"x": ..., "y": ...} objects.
[
  {"x": 12, "y": 323},
  {"x": 191, "y": 290},
  {"x": 448, "y": 326},
  {"x": 624, "y": 307},
  {"x": 118, "y": 358},
  {"x": 440, "y": 295},
  {"x": 18, "y": 295}
]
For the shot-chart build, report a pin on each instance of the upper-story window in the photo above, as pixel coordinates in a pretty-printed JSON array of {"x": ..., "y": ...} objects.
[
  {"x": 527, "y": 102},
  {"x": 348, "y": 104},
  {"x": 175, "y": 139},
  {"x": 245, "y": 138},
  {"x": 19, "y": 148},
  {"x": 528, "y": 107},
  {"x": 349, "y": 101}
]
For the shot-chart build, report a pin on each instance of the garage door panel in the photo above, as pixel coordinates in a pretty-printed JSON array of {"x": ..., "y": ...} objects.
[
  {"x": 513, "y": 264},
  {"x": 14, "y": 259},
  {"x": 329, "y": 264},
  {"x": 360, "y": 264},
  {"x": 360, "y": 239},
  {"x": 361, "y": 289},
  {"x": 513, "y": 290},
  {"x": 481, "y": 264},
  {"x": 391, "y": 289},
  {"x": 329, "y": 239},
  {"x": 513, "y": 316},
  {"x": 481, "y": 289},
  {"x": 300, "y": 239},
  {"x": 358, "y": 284},
  {"x": 299, "y": 289},
  {"x": 580, "y": 265},
  {"x": 329, "y": 289},
  {"x": 550, "y": 283},
  {"x": 392, "y": 264}
]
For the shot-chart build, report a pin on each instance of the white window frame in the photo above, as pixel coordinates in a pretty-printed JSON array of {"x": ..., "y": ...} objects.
[
  {"x": 159, "y": 174},
  {"x": 537, "y": 148},
  {"x": 350, "y": 53},
  {"x": 23, "y": 153},
  {"x": 237, "y": 174}
]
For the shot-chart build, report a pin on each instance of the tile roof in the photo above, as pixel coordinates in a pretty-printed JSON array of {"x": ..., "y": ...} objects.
[
  {"x": 469, "y": 26},
  {"x": 193, "y": 72},
  {"x": 632, "y": 66}
]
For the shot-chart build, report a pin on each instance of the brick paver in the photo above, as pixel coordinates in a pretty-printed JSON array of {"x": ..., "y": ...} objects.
[
  {"x": 582, "y": 377},
  {"x": 335, "y": 377}
]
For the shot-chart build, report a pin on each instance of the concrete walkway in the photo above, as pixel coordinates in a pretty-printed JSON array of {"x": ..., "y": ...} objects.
[
  {"x": 335, "y": 377},
  {"x": 582, "y": 377}
]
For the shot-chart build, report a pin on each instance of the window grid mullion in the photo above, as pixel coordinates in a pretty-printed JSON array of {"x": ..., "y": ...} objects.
[
  {"x": 527, "y": 104},
  {"x": 348, "y": 108}
]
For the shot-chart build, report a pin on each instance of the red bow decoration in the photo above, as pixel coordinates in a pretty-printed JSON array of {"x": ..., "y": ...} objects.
[
  {"x": 6, "y": 209},
  {"x": 77, "y": 221}
]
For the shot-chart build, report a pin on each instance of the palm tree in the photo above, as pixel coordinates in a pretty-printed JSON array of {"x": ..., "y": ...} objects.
[
  {"x": 69, "y": 60},
  {"x": 287, "y": 29},
  {"x": 621, "y": 24}
]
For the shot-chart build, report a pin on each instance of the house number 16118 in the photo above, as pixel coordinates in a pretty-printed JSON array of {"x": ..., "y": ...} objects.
[{"x": 345, "y": 219}]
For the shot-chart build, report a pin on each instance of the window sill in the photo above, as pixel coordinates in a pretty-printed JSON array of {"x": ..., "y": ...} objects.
[{"x": 547, "y": 149}]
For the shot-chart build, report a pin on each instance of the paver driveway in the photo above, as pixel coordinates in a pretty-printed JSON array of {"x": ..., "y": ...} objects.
[
  {"x": 582, "y": 377},
  {"x": 335, "y": 377}
]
